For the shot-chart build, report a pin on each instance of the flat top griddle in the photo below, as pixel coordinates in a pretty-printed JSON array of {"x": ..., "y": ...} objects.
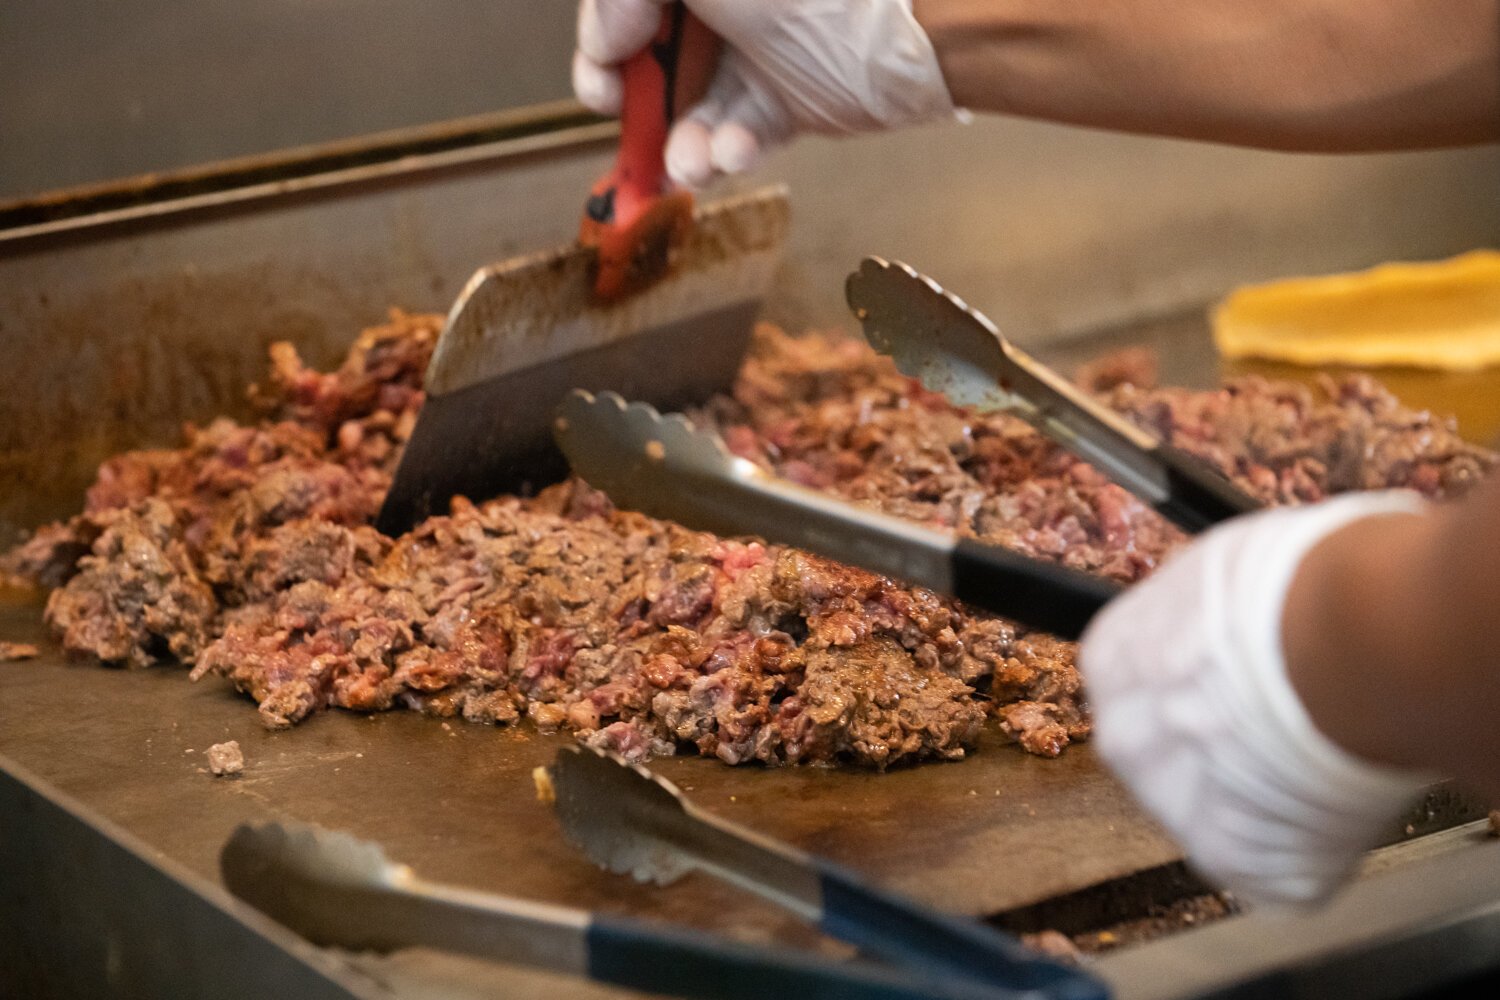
[
  {"x": 999, "y": 831},
  {"x": 456, "y": 800}
]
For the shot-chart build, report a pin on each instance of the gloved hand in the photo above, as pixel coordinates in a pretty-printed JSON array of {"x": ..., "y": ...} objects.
[
  {"x": 789, "y": 66},
  {"x": 1194, "y": 711}
]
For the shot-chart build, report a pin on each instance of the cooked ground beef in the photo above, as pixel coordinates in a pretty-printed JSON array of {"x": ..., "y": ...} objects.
[
  {"x": 248, "y": 553},
  {"x": 225, "y": 760}
]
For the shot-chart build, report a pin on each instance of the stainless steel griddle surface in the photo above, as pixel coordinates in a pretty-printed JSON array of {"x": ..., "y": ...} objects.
[{"x": 457, "y": 801}]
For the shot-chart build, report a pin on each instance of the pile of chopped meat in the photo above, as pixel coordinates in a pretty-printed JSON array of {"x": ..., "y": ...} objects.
[{"x": 249, "y": 553}]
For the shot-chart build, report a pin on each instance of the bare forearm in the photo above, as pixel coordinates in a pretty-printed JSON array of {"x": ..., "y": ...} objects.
[
  {"x": 1392, "y": 638},
  {"x": 1292, "y": 74}
]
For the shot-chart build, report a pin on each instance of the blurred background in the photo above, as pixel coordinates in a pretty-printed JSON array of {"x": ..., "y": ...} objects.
[{"x": 92, "y": 90}]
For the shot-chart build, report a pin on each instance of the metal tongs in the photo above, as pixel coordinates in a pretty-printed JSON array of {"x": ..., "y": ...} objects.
[
  {"x": 630, "y": 821},
  {"x": 337, "y": 890},
  {"x": 667, "y": 467},
  {"x": 952, "y": 349}
]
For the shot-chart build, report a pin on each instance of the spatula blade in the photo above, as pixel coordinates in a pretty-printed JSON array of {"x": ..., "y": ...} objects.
[{"x": 525, "y": 332}]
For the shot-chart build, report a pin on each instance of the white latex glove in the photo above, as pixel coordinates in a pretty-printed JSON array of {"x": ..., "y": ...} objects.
[
  {"x": 1194, "y": 711},
  {"x": 789, "y": 66}
]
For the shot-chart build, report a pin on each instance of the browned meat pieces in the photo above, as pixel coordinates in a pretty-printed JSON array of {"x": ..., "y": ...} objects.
[
  {"x": 874, "y": 703},
  {"x": 50, "y": 556},
  {"x": 641, "y": 635},
  {"x": 1289, "y": 444},
  {"x": 802, "y": 661},
  {"x": 137, "y": 597},
  {"x": 1137, "y": 366},
  {"x": 366, "y": 408},
  {"x": 859, "y": 429},
  {"x": 1036, "y": 691},
  {"x": 17, "y": 651},
  {"x": 248, "y": 552},
  {"x": 225, "y": 760}
]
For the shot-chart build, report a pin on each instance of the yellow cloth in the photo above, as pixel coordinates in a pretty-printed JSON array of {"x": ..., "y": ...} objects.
[{"x": 1441, "y": 314}]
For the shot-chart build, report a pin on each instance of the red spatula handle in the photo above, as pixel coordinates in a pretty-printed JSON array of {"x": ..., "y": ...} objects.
[{"x": 633, "y": 216}]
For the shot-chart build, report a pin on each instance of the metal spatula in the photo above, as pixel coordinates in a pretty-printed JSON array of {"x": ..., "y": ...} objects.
[
  {"x": 937, "y": 338},
  {"x": 526, "y": 331},
  {"x": 335, "y": 889},
  {"x": 630, "y": 821},
  {"x": 654, "y": 299},
  {"x": 666, "y": 467}
]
